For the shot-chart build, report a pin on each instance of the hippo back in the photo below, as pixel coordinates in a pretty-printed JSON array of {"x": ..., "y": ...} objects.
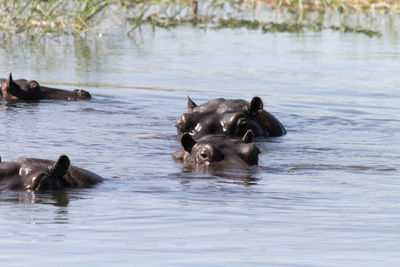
[{"x": 80, "y": 178}]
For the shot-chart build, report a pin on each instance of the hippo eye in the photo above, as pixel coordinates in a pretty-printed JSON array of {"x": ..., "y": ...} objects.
[
  {"x": 242, "y": 126},
  {"x": 203, "y": 155},
  {"x": 242, "y": 122}
]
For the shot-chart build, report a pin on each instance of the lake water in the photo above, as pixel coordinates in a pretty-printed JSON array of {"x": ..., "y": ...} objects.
[{"x": 326, "y": 194}]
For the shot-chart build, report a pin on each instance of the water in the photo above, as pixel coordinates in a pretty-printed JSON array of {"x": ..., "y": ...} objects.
[{"x": 326, "y": 194}]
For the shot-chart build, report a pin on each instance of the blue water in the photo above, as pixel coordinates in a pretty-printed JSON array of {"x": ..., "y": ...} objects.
[{"x": 326, "y": 194}]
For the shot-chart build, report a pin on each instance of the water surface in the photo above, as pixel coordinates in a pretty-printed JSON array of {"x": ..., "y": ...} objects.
[{"x": 325, "y": 194}]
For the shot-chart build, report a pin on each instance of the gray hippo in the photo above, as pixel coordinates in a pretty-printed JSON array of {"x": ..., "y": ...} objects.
[
  {"x": 232, "y": 117},
  {"x": 218, "y": 151},
  {"x": 41, "y": 174},
  {"x": 31, "y": 90}
]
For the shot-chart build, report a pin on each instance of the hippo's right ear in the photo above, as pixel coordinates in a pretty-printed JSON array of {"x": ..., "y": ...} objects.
[
  {"x": 248, "y": 137},
  {"x": 256, "y": 104},
  {"x": 61, "y": 166},
  {"x": 191, "y": 105},
  {"x": 187, "y": 142}
]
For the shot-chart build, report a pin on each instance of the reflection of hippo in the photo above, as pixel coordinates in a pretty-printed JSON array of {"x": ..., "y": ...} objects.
[
  {"x": 218, "y": 151},
  {"x": 36, "y": 174},
  {"x": 232, "y": 117},
  {"x": 31, "y": 90}
]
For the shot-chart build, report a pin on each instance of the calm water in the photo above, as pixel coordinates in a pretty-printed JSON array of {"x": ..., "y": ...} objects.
[{"x": 327, "y": 193}]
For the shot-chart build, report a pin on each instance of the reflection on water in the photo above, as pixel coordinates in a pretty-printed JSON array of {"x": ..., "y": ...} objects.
[
  {"x": 28, "y": 106},
  {"x": 242, "y": 177},
  {"x": 26, "y": 207},
  {"x": 327, "y": 192},
  {"x": 59, "y": 198}
]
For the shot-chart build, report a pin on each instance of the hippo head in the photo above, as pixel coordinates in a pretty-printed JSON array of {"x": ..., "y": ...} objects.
[
  {"x": 231, "y": 117},
  {"x": 218, "y": 151},
  {"x": 81, "y": 94},
  {"x": 34, "y": 174},
  {"x": 51, "y": 177},
  {"x": 20, "y": 90}
]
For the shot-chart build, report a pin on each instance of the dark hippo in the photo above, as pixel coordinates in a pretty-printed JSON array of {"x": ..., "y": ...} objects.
[
  {"x": 218, "y": 151},
  {"x": 232, "y": 117},
  {"x": 36, "y": 174},
  {"x": 31, "y": 90}
]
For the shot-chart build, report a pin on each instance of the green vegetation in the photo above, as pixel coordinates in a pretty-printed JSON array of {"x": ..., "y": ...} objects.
[
  {"x": 38, "y": 18},
  {"x": 339, "y": 5},
  {"x": 291, "y": 27}
]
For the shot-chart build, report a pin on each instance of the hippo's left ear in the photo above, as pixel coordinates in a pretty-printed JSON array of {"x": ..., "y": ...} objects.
[
  {"x": 248, "y": 137},
  {"x": 187, "y": 142},
  {"x": 256, "y": 105},
  {"x": 191, "y": 105},
  {"x": 9, "y": 81}
]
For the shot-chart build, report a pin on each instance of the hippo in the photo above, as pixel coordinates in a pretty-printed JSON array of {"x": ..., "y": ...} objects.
[
  {"x": 41, "y": 174},
  {"x": 231, "y": 117},
  {"x": 217, "y": 151},
  {"x": 31, "y": 90}
]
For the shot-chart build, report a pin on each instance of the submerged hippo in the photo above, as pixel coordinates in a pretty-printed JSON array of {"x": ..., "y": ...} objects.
[
  {"x": 36, "y": 174},
  {"x": 232, "y": 117},
  {"x": 31, "y": 90},
  {"x": 218, "y": 151}
]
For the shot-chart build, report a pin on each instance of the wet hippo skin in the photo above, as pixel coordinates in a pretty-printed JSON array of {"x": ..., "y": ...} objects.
[
  {"x": 218, "y": 151},
  {"x": 31, "y": 90},
  {"x": 232, "y": 117},
  {"x": 41, "y": 174}
]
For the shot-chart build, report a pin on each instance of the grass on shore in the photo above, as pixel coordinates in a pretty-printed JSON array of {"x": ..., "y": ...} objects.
[
  {"x": 37, "y": 18},
  {"x": 51, "y": 16}
]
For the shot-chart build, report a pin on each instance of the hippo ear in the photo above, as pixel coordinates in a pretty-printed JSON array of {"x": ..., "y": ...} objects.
[
  {"x": 54, "y": 178},
  {"x": 9, "y": 81},
  {"x": 191, "y": 105},
  {"x": 250, "y": 154},
  {"x": 61, "y": 166},
  {"x": 10, "y": 86},
  {"x": 187, "y": 142},
  {"x": 256, "y": 104},
  {"x": 248, "y": 137}
]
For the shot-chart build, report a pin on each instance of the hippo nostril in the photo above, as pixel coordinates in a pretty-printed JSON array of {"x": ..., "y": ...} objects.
[{"x": 80, "y": 92}]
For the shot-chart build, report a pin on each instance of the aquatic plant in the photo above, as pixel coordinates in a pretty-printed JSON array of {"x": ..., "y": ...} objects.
[
  {"x": 290, "y": 15},
  {"x": 339, "y": 5},
  {"x": 291, "y": 27}
]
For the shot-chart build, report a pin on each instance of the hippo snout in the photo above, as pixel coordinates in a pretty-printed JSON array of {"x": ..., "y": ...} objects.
[{"x": 82, "y": 94}]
